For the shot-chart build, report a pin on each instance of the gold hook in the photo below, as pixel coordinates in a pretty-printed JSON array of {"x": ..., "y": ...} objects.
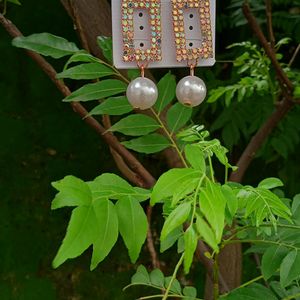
[
  {"x": 142, "y": 67},
  {"x": 192, "y": 66}
]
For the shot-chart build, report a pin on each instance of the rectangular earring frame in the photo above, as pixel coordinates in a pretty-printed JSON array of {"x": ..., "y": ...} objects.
[
  {"x": 137, "y": 54},
  {"x": 205, "y": 50},
  {"x": 168, "y": 49}
]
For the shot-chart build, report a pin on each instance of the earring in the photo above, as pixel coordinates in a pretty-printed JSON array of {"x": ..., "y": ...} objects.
[
  {"x": 191, "y": 90},
  {"x": 142, "y": 92}
]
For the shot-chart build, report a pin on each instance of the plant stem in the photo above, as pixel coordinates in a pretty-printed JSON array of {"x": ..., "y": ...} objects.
[
  {"x": 211, "y": 169},
  {"x": 169, "y": 135},
  {"x": 262, "y": 225},
  {"x": 292, "y": 297},
  {"x": 250, "y": 281},
  {"x": 173, "y": 277},
  {"x": 228, "y": 242},
  {"x": 226, "y": 174},
  {"x": 216, "y": 277},
  {"x": 160, "y": 296},
  {"x": 247, "y": 283}
]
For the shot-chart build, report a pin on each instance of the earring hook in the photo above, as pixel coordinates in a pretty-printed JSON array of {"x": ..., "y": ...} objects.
[
  {"x": 192, "y": 66},
  {"x": 142, "y": 67}
]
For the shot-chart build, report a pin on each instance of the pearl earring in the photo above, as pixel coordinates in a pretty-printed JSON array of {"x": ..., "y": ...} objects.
[
  {"x": 191, "y": 90},
  {"x": 142, "y": 92}
]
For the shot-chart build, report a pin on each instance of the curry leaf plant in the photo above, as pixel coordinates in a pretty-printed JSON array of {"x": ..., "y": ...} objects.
[{"x": 196, "y": 207}]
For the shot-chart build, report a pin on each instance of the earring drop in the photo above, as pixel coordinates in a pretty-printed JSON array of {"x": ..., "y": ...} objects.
[
  {"x": 191, "y": 90},
  {"x": 142, "y": 92}
]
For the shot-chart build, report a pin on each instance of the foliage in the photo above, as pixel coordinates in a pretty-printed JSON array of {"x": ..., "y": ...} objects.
[{"x": 250, "y": 101}]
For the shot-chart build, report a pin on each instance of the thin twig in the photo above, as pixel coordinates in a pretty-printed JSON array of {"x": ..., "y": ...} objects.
[
  {"x": 150, "y": 241},
  {"x": 282, "y": 77},
  {"x": 270, "y": 23},
  {"x": 294, "y": 56}
]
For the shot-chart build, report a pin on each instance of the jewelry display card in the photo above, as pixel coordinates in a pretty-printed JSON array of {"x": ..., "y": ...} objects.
[{"x": 163, "y": 33}]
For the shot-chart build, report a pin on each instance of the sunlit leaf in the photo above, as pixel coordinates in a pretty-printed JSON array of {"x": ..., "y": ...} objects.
[
  {"x": 135, "y": 125},
  {"x": 133, "y": 225},
  {"x": 151, "y": 143}
]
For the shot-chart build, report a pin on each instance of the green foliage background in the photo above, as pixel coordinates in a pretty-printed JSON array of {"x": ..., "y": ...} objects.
[{"x": 42, "y": 141}]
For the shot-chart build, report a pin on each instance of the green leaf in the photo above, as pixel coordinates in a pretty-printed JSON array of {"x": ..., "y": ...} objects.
[
  {"x": 272, "y": 259},
  {"x": 112, "y": 106},
  {"x": 141, "y": 276},
  {"x": 195, "y": 157},
  {"x": 207, "y": 233},
  {"x": 105, "y": 44},
  {"x": 171, "y": 239},
  {"x": 141, "y": 194},
  {"x": 72, "y": 192},
  {"x": 270, "y": 183},
  {"x": 169, "y": 181},
  {"x": 98, "y": 90},
  {"x": 151, "y": 143},
  {"x": 111, "y": 186},
  {"x": 190, "y": 245},
  {"x": 212, "y": 205},
  {"x": 177, "y": 217},
  {"x": 178, "y": 115},
  {"x": 46, "y": 44},
  {"x": 190, "y": 292},
  {"x": 231, "y": 200},
  {"x": 166, "y": 91},
  {"x": 297, "y": 92},
  {"x": 86, "y": 71},
  {"x": 296, "y": 207},
  {"x": 175, "y": 287},
  {"x": 290, "y": 268},
  {"x": 157, "y": 278},
  {"x": 14, "y": 2},
  {"x": 253, "y": 292},
  {"x": 81, "y": 233},
  {"x": 82, "y": 56},
  {"x": 181, "y": 191},
  {"x": 262, "y": 204},
  {"x": 133, "y": 225},
  {"x": 107, "y": 234},
  {"x": 215, "y": 94},
  {"x": 135, "y": 125}
]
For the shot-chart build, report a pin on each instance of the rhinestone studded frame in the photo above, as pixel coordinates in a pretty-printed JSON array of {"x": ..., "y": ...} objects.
[
  {"x": 130, "y": 53},
  {"x": 206, "y": 49}
]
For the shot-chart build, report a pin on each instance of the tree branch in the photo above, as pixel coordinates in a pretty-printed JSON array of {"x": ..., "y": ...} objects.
[
  {"x": 282, "y": 77},
  {"x": 281, "y": 110},
  {"x": 270, "y": 23},
  {"x": 294, "y": 56}
]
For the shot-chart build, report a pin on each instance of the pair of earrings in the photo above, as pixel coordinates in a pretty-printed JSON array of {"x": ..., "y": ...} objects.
[{"x": 191, "y": 91}]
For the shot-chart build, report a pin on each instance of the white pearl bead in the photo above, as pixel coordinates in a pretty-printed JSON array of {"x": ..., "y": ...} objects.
[
  {"x": 142, "y": 93},
  {"x": 191, "y": 91}
]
